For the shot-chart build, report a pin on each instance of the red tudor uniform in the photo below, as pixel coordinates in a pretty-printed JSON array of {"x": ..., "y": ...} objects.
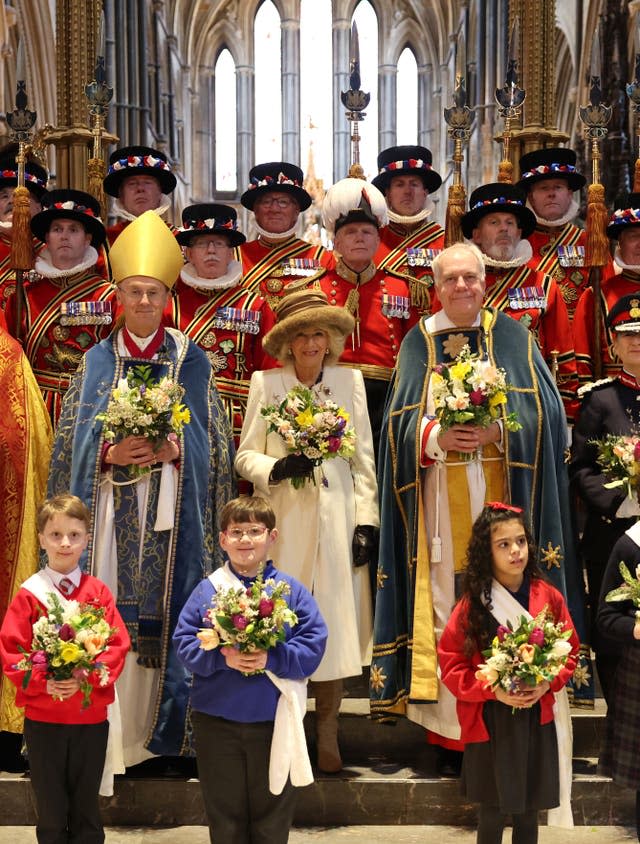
[
  {"x": 7, "y": 273},
  {"x": 559, "y": 253},
  {"x": 66, "y": 310},
  {"x": 227, "y": 325},
  {"x": 612, "y": 288},
  {"x": 409, "y": 253},
  {"x": 290, "y": 264}
]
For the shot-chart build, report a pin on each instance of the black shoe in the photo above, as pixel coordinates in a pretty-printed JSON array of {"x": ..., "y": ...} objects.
[{"x": 449, "y": 763}]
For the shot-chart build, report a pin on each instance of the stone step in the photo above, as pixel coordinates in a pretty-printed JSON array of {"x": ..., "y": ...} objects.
[{"x": 389, "y": 778}]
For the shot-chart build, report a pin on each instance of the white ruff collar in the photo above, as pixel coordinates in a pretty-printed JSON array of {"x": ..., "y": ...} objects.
[
  {"x": 230, "y": 279},
  {"x": 276, "y": 236},
  {"x": 414, "y": 218},
  {"x": 618, "y": 260},
  {"x": 571, "y": 214},
  {"x": 6, "y": 224},
  {"x": 120, "y": 211},
  {"x": 523, "y": 253},
  {"x": 45, "y": 268}
]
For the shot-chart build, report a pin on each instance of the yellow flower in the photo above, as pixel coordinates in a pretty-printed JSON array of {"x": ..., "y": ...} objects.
[
  {"x": 209, "y": 639},
  {"x": 70, "y": 652},
  {"x": 180, "y": 415},
  {"x": 460, "y": 370},
  {"x": 343, "y": 413},
  {"x": 305, "y": 419},
  {"x": 497, "y": 399}
]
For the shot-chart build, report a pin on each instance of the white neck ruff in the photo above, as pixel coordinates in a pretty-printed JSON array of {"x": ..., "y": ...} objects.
[
  {"x": 424, "y": 214},
  {"x": 230, "y": 279},
  {"x": 276, "y": 236},
  {"x": 120, "y": 211},
  {"x": 45, "y": 268},
  {"x": 522, "y": 254},
  {"x": 571, "y": 214}
]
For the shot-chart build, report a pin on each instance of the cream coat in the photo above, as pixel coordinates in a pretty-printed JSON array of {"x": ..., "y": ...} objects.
[{"x": 316, "y": 523}]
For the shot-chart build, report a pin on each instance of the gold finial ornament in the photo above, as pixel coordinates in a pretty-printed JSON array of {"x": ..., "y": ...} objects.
[
  {"x": 355, "y": 101},
  {"x": 510, "y": 99}
]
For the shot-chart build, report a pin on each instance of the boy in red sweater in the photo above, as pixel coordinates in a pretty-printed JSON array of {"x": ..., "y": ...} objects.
[{"x": 66, "y": 743}]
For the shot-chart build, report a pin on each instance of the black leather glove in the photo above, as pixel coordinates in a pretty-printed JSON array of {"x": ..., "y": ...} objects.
[
  {"x": 291, "y": 466},
  {"x": 365, "y": 545}
]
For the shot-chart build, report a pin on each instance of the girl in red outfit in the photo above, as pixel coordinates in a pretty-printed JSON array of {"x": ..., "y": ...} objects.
[{"x": 517, "y": 756}]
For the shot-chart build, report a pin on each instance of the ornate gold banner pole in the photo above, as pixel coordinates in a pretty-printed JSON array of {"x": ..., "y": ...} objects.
[
  {"x": 460, "y": 120},
  {"x": 21, "y": 122},
  {"x": 99, "y": 96},
  {"x": 355, "y": 101},
  {"x": 510, "y": 99},
  {"x": 595, "y": 117}
]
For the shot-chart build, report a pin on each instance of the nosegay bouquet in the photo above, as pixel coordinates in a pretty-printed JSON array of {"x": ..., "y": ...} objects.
[
  {"x": 318, "y": 429},
  {"x": 248, "y": 619},
  {"x": 535, "y": 652},
  {"x": 141, "y": 406},
  {"x": 67, "y": 642},
  {"x": 619, "y": 457},
  {"x": 629, "y": 590},
  {"x": 471, "y": 390}
]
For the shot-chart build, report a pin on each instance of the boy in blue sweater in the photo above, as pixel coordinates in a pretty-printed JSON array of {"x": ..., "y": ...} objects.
[{"x": 248, "y": 768}]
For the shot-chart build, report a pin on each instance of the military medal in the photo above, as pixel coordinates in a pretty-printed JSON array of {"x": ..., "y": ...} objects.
[{"x": 85, "y": 313}]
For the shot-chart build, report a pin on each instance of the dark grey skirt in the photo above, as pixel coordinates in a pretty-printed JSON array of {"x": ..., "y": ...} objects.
[
  {"x": 517, "y": 769},
  {"x": 620, "y": 758}
]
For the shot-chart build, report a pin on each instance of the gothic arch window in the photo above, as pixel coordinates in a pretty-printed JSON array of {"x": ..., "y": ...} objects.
[
  {"x": 367, "y": 23},
  {"x": 225, "y": 122},
  {"x": 407, "y": 98},
  {"x": 316, "y": 86},
  {"x": 268, "y": 83}
]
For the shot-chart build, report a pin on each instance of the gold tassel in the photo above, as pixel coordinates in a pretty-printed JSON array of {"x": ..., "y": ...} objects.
[
  {"x": 597, "y": 219},
  {"x": 455, "y": 213},
  {"x": 21, "y": 238},
  {"x": 636, "y": 177},
  {"x": 96, "y": 171},
  {"x": 505, "y": 171}
]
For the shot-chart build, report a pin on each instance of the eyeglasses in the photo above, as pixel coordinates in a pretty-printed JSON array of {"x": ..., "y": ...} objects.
[
  {"x": 236, "y": 534},
  {"x": 278, "y": 201},
  {"x": 136, "y": 295},
  {"x": 205, "y": 244}
]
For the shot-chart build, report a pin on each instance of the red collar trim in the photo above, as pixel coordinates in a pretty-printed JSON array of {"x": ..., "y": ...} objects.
[{"x": 136, "y": 352}]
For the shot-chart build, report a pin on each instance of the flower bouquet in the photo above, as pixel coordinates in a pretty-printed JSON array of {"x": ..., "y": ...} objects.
[
  {"x": 630, "y": 589},
  {"x": 535, "y": 652},
  {"x": 619, "y": 458},
  {"x": 248, "y": 619},
  {"x": 471, "y": 390},
  {"x": 140, "y": 406},
  {"x": 318, "y": 429},
  {"x": 66, "y": 643}
]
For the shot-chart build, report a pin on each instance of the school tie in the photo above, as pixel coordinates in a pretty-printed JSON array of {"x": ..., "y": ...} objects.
[{"x": 66, "y": 586}]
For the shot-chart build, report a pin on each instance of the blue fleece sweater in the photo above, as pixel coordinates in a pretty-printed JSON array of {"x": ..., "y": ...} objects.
[{"x": 227, "y": 693}]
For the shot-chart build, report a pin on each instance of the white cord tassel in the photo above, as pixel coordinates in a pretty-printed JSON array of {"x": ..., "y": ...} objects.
[{"x": 436, "y": 542}]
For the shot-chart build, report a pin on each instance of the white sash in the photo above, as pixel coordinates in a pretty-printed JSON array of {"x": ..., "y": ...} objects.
[
  {"x": 505, "y": 607},
  {"x": 41, "y": 585},
  {"x": 289, "y": 755}
]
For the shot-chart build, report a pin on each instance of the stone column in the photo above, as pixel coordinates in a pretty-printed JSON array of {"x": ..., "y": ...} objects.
[
  {"x": 245, "y": 126},
  {"x": 341, "y": 131},
  {"x": 291, "y": 89},
  {"x": 387, "y": 106}
]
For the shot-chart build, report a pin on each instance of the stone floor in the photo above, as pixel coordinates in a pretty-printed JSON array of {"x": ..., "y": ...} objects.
[{"x": 346, "y": 834}]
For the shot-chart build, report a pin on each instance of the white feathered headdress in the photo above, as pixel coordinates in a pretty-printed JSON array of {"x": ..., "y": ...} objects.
[{"x": 353, "y": 201}]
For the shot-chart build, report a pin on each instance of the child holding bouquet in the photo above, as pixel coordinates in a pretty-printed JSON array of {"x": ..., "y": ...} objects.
[
  {"x": 66, "y": 727},
  {"x": 251, "y": 636},
  {"x": 517, "y": 759}
]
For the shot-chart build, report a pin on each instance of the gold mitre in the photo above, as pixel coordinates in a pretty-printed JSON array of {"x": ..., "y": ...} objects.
[{"x": 146, "y": 247}]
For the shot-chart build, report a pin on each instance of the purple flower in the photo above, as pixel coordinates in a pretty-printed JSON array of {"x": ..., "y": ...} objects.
[
  {"x": 502, "y": 632},
  {"x": 239, "y": 622},
  {"x": 39, "y": 659},
  {"x": 265, "y": 607},
  {"x": 477, "y": 397},
  {"x": 636, "y": 451},
  {"x": 67, "y": 633},
  {"x": 536, "y": 637}
]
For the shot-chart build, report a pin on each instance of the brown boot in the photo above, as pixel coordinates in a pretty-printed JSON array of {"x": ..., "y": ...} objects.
[{"x": 328, "y": 697}]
